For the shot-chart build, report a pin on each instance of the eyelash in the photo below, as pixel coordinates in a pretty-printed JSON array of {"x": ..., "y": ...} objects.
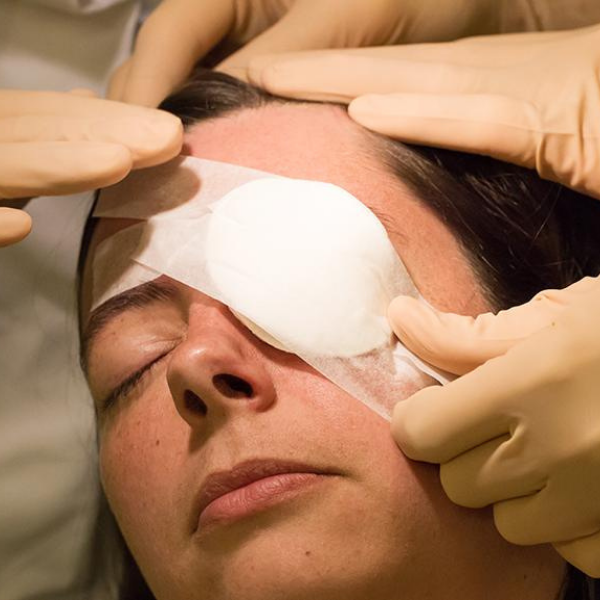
[{"x": 126, "y": 387}]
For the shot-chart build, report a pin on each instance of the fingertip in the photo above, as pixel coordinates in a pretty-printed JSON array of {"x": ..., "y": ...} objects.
[
  {"x": 162, "y": 141},
  {"x": 397, "y": 424},
  {"x": 407, "y": 430},
  {"x": 255, "y": 69},
  {"x": 308, "y": 75},
  {"x": 424, "y": 426},
  {"x": 373, "y": 112},
  {"x": 114, "y": 161},
  {"x": 15, "y": 225},
  {"x": 406, "y": 116},
  {"x": 363, "y": 104},
  {"x": 401, "y": 307},
  {"x": 411, "y": 319},
  {"x": 268, "y": 71},
  {"x": 505, "y": 522},
  {"x": 411, "y": 117}
]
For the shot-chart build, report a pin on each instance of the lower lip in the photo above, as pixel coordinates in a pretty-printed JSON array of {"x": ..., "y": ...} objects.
[{"x": 258, "y": 496}]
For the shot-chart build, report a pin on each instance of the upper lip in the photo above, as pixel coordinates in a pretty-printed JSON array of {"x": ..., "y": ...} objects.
[{"x": 219, "y": 483}]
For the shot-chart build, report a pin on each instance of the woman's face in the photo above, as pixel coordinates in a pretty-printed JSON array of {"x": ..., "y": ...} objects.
[{"x": 335, "y": 511}]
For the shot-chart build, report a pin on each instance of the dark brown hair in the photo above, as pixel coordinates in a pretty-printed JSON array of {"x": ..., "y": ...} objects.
[{"x": 521, "y": 234}]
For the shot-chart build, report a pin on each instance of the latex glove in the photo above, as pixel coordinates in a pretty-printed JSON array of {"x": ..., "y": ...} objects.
[
  {"x": 522, "y": 431},
  {"x": 531, "y": 99},
  {"x": 180, "y": 32},
  {"x": 57, "y": 143}
]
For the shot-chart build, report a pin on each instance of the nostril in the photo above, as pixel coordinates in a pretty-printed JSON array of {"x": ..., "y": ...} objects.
[
  {"x": 194, "y": 403},
  {"x": 232, "y": 386}
]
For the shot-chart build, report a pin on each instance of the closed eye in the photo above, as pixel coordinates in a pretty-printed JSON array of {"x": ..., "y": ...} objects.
[{"x": 122, "y": 390}]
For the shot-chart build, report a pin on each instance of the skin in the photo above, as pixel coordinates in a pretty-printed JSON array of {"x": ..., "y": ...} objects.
[{"x": 381, "y": 528}]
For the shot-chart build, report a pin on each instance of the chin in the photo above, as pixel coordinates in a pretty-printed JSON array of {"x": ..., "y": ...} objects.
[{"x": 311, "y": 553}]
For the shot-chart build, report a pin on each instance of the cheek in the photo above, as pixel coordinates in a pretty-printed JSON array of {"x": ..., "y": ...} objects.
[
  {"x": 406, "y": 490},
  {"x": 404, "y": 518},
  {"x": 391, "y": 512},
  {"x": 139, "y": 461},
  {"x": 352, "y": 435}
]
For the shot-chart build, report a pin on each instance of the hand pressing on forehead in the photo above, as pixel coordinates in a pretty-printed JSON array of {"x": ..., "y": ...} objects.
[
  {"x": 531, "y": 99},
  {"x": 179, "y": 33},
  {"x": 57, "y": 143}
]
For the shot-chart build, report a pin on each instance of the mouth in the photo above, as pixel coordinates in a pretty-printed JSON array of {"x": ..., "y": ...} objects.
[{"x": 252, "y": 487}]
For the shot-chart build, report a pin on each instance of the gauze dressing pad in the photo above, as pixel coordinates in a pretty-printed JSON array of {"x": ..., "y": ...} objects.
[
  {"x": 275, "y": 253},
  {"x": 304, "y": 264}
]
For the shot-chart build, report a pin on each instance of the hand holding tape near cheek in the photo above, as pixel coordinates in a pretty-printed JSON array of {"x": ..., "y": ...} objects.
[{"x": 304, "y": 264}]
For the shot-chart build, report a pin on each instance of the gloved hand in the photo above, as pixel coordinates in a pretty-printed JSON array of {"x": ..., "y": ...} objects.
[
  {"x": 56, "y": 143},
  {"x": 522, "y": 431},
  {"x": 180, "y": 32},
  {"x": 532, "y": 99}
]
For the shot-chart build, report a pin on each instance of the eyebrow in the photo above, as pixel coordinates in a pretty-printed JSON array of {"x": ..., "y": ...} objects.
[{"x": 135, "y": 298}]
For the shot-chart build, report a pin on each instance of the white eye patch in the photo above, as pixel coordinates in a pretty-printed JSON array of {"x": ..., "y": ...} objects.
[
  {"x": 307, "y": 262},
  {"x": 304, "y": 264}
]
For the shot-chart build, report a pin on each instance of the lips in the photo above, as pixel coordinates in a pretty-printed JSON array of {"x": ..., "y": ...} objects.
[{"x": 250, "y": 486}]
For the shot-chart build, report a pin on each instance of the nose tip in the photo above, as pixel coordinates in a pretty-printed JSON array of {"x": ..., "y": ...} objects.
[
  {"x": 229, "y": 386},
  {"x": 217, "y": 375}
]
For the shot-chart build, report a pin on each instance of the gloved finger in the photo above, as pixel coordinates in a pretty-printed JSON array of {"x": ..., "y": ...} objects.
[
  {"x": 498, "y": 126},
  {"x": 16, "y": 103},
  {"x": 58, "y": 168},
  {"x": 15, "y": 225},
  {"x": 173, "y": 38},
  {"x": 149, "y": 142},
  {"x": 118, "y": 82},
  {"x": 439, "y": 423},
  {"x": 314, "y": 24},
  {"x": 458, "y": 344},
  {"x": 440, "y": 68},
  {"x": 582, "y": 553},
  {"x": 83, "y": 93},
  {"x": 539, "y": 519},
  {"x": 495, "y": 125},
  {"x": 492, "y": 472},
  {"x": 342, "y": 75}
]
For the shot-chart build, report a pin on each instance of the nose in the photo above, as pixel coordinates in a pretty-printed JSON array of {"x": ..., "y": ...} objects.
[{"x": 217, "y": 372}]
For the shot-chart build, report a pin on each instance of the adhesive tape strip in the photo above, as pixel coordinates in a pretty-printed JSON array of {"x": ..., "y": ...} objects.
[{"x": 307, "y": 266}]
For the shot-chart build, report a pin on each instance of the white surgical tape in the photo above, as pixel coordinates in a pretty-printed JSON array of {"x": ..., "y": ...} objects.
[{"x": 304, "y": 264}]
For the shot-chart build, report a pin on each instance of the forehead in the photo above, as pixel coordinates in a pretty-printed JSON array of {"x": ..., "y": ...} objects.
[{"x": 321, "y": 142}]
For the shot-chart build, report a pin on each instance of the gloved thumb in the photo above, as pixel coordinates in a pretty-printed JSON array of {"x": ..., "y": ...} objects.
[{"x": 459, "y": 344}]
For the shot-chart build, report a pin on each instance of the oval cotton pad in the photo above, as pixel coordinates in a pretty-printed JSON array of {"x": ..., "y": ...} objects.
[{"x": 306, "y": 262}]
